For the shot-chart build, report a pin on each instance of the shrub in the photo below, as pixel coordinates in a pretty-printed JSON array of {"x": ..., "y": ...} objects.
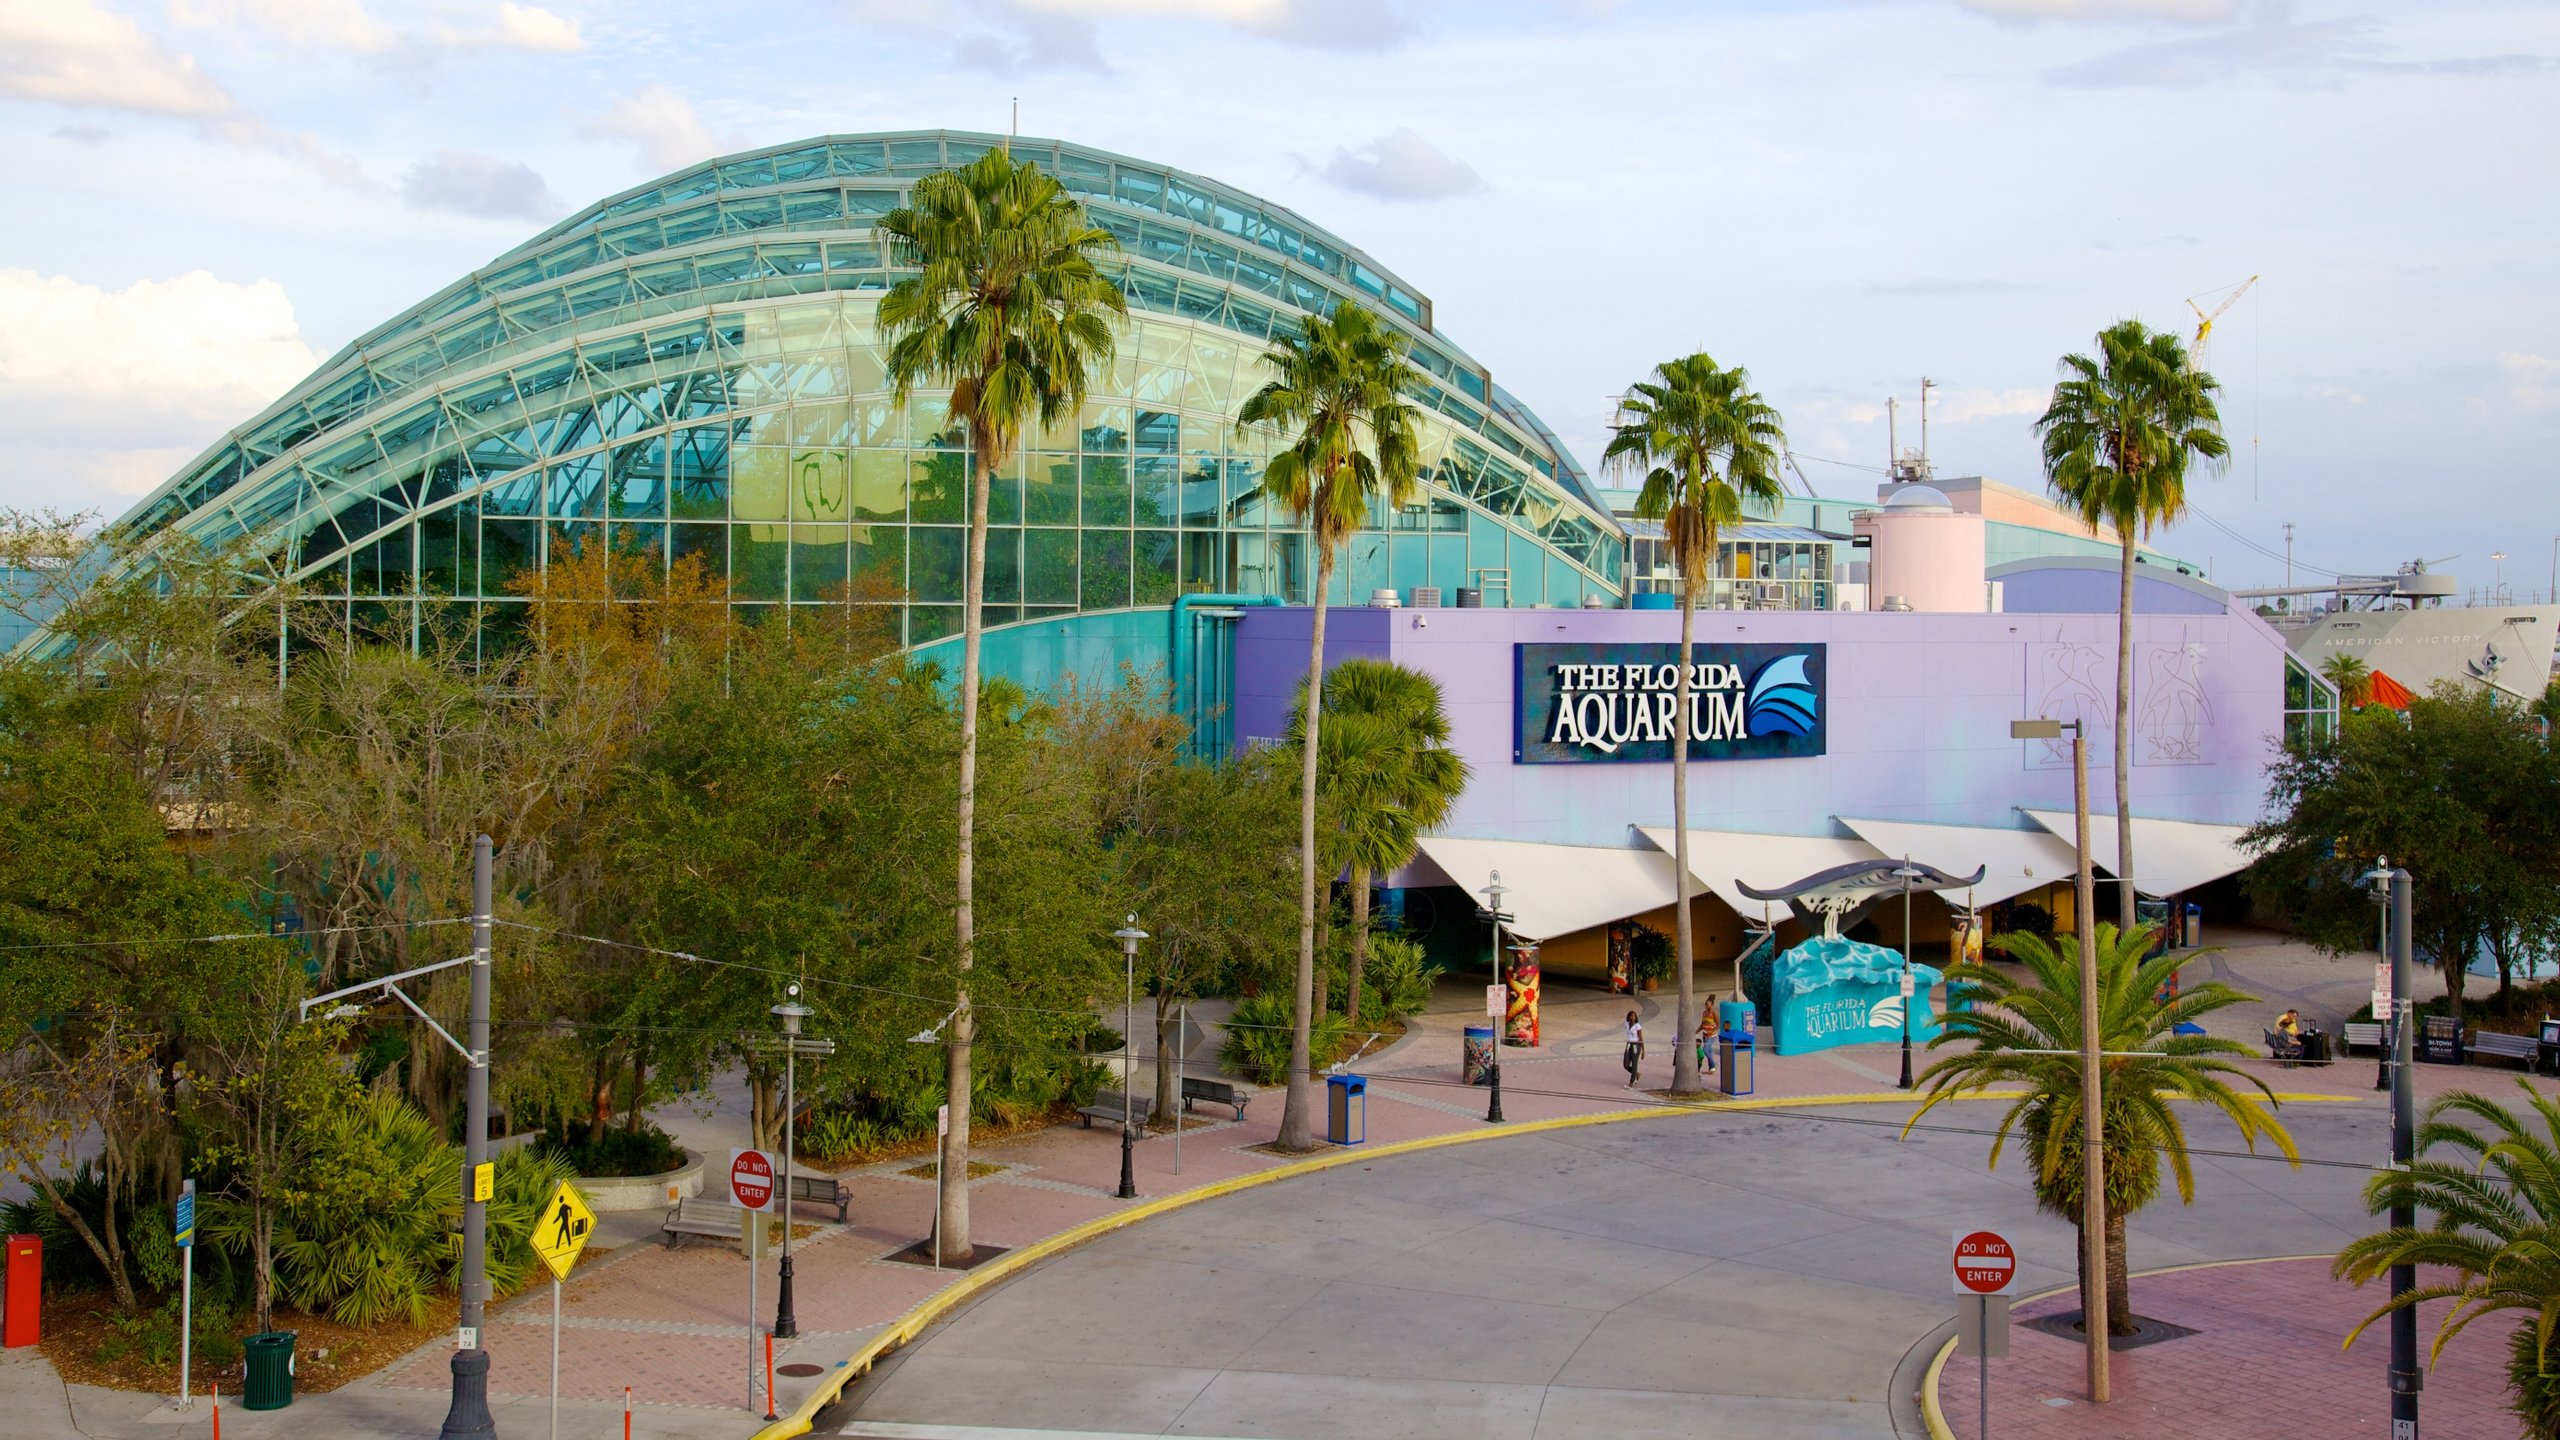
[
  {"x": 840, "y": 1136},
  {"x": 2028, "y": 918},
  {"x": 1257, "y": 1042},
  {"x": 646, "y": 1151},
  {"x": 1649, "y": 954},
  {"x": 1398, "y": 980}
]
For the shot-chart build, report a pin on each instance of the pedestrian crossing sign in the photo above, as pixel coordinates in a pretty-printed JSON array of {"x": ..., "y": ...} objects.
[{"x": 561, "y": 1229}]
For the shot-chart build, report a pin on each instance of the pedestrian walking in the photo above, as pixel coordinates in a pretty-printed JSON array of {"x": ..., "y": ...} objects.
[
  {"x": 1707, "y": 1039},
  {"x": 1634, "y": 1059}
]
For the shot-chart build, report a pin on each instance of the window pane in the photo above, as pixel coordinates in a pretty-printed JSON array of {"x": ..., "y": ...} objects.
[
  {"x": 935, "y": 558},
  {"x": 1106, "y": 570},
  {"x": 940, "y": 478},
  {"x": 759, "y": 561},
  {"x": 1159, "y": 478},
  {"x": 1052, "y": 490},
  {"x": 708, "y": 545},
  {"x": 1049, "y": 567},
  {"x": 1004, "y": 567},
  {"x": 1154, "y": 570},
  {"x": 1106, "y": 490},
  {"x": 817, "y": 568}
]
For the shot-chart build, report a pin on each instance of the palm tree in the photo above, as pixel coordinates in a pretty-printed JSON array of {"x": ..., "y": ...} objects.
[
  {"x": 1704, "y": 442},
  {"x": 1340, "y": 383},
  {"x": 1010, "y": 311},
  {"x": 1388, "y": 773},
  {"x": 2497, "y": 1228},
  {"x": 2353, "y": 678},
  {"x": 2118, "y": 437},
  {"x": 2025, "y": 1030}
]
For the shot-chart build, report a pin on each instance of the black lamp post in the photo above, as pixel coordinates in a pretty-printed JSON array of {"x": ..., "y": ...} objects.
[
  {"x": 1908, "y": 872},
  {"x": 786, "y": 1325},
  {"x": 1494, "y": 912},
  {"x": 1129, "y": 935}
]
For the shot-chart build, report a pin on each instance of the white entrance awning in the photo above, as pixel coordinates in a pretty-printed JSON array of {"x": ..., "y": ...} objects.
[
  {"x": 2169, "y": 856},
  {"x": 1557, "y": 889},
  {"x": 1721, "y": 860},
  {"x": 2013, "y": 861}
]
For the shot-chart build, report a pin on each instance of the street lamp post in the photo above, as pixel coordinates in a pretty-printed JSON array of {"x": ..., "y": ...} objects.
[
  {"x": 1493, "y": 911},
  {"x": 1129, "y": 935},
  {"x": 786, "y": 1325},
  {"x": 467, "y": 1414},
  {"x": 1909, "y": 873},
  {"x": 2498, "y": 577},
  {"x": 2093, "y": 1196},
  {"x": 2403, "y": 1376}
]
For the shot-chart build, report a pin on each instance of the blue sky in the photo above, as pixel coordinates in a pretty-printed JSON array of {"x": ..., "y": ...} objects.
[{"x": 211, "y": 195}]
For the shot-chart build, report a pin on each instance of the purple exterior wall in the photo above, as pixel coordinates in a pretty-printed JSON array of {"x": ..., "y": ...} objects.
[{"x": 1918, "y": 709}]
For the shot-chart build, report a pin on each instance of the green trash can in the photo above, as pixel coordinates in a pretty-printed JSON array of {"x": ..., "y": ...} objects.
[{"x": 270, "y": 1364}]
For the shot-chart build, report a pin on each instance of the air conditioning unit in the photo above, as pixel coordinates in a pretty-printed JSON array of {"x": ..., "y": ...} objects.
[{"x": 1426, "y": 597}]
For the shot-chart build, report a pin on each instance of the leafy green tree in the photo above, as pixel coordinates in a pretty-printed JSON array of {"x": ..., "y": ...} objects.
[
  {"x": 2025, "y": 1031},
  {"x": 2493, "y": 1190},
  {"x": 1388, "y": 773},
  {"x": 1703, "y": 443},
  {"x": 2353, "y": 678},
  {"x": 1338, "y": 393},
  {"x": 2461, "y": 789},
  {"x": 1011, "y": 312},
  {"x": 2119, "y": 436}
]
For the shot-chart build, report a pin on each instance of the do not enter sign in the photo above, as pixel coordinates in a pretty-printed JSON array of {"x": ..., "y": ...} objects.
[
  {"x": 751, "y": 1179},
  {"x": 1986, "y": 1263}
]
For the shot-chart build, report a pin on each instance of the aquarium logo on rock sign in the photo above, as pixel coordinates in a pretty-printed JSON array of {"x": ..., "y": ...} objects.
[{"x": 1621, "y": 702}]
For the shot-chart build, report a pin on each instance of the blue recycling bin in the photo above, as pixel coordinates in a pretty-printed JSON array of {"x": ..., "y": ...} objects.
[
  {"x": 1346, "y": 1109},
  {"x": 1739, "y": 1017},
  {"x": 1734, "y": 1054}
]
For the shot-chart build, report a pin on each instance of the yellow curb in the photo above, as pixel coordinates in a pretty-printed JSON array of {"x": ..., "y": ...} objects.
[
  {"x": 1935, "y": 1416},
  {"x": 803, "y": 1417}
]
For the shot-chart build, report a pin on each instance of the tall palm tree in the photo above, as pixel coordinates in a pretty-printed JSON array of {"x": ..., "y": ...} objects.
[
  {"x": 1011, "y": 312},
  {"x": 2118, "y": 436},
  {"x": 2353, "y": 678},
  {"x": 1388, "y": 772},
  {"x": 1703, "y": 442},
  {"x": 1340, "y": 384},
  {"x": 2497, "y": 1228},
  {"x": 2026, "y": 1031}
]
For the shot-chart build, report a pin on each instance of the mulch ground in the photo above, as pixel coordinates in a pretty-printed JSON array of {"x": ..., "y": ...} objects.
[{"x": 82, "y": 1341}]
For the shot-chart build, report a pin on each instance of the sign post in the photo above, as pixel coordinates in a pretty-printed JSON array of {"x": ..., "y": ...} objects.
[
  {"x": 751, "y": 1185},
  {"x": 1986, "y": 1275},
  {"x": 560, "y": 1231},
  {"x": 183, "y": 1233},
  {"x": 941, "y": 1129}
]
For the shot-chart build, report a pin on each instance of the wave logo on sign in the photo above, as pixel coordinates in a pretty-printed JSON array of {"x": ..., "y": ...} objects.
[
  {"x": 1886, "y": 1014},
  {"x": 1782, "y": 699}
]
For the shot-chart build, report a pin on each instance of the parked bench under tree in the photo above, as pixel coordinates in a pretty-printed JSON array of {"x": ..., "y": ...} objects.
[
  {"x": 716, "y": 1219},
  {"x": 1216, "y": 1092},
  {"x": 2522, "y": 1048},
  {"x": 1112, "y": 1105},
  {"x": 822, "y": 1190}
]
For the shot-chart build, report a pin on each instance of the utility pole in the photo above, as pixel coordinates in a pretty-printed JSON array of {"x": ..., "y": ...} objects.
[
  {"x": 2288, "y": 554},
  {"x": 467, "y": 1414},
  {"x": 1926, "y": 385}
]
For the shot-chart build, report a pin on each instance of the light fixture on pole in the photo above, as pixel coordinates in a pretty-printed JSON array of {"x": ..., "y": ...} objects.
[
  {"x": 2093, "y": 1193},
  {"x": 2498, "y": 576},
  {"x": 786, "y": 1325},
  {"x": 1907, "y": 872},
  {"x": 1129, "y": 935}
]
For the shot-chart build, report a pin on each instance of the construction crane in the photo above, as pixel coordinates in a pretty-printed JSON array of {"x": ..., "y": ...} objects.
[{"x": 2205, "y": 318}]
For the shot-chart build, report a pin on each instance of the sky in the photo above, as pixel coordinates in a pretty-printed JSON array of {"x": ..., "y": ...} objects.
[{"x": 208, "y": 197}]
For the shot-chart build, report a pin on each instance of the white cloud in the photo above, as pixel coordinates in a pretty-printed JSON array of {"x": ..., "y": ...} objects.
[
  {"x": 662, "y": 126},
  {"x": 2189, "y": 12},
  {"x": 70, "y": 52},
  {"x": 348, "y": 26},
  {"x": 2533, "y": 381},
  {"x": 482, "y": 186},
  {"x": 2309, "y": 53},
  {"x": 113, "y": 389},
  {"x": 1402, "y": 166},
  {"x": 1012, "y": 36}
]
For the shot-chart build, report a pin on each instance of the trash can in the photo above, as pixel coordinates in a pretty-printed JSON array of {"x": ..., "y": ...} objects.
[
  {"x": 2195, "y": 926},
  {"x": 270, "y": 1363},
  {"x": 26, "y": 1291},
  {"x": 1733, "y": 1056},
  {"x": 1475, "y": 1064},
  {"x": 1346, "y": 1109},
  {"x": 2547, "y": 1050}
]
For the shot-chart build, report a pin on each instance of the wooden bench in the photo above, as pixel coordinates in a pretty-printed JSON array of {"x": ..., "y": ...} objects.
[
  {"x": 1112, "y": 1105},
  {"x": 2361, "y": 1033},
  {"x": 1216, "y": 1092},
  {"x": 717, "y": 1219},
  {"x": 822, "y": 1190},
  {"x": 2523, "y": 1048}
]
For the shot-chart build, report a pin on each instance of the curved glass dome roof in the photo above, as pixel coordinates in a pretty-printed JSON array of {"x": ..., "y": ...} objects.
[{"x": 695, "y": 366}]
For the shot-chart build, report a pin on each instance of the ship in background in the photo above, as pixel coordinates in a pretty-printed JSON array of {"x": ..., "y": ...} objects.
[{"x": 2415, "y": 629}]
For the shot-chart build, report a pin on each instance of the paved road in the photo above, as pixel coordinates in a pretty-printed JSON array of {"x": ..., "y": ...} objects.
[{"x": 1750, "y": 1274}]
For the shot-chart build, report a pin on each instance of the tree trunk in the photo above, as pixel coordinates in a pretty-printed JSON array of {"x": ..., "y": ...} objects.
[
  {"x": 97, "y": 1248},
  {"x": 1359, "y": 941},
  {"x": 1684, "y": 1057},
  {"x": 262, "y": 1246},
  {"x": 1296, "y": 1131},
  {"x": 2125, "y": 872},
  {"x": 954, "y": 1229},
  {"x": 600, "y": 1095},
  {"x": 767, "y": 1105},
  {"x": 639, "y": 1088},
  {"x": 1165, "y": 1072},
  {"x": 2119, "y": 1287}
]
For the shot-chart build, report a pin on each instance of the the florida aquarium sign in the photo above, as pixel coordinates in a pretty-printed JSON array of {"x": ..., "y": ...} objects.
[
  {"x": 1831, "y": 991},
  {"x": 1622, "y": 702}
]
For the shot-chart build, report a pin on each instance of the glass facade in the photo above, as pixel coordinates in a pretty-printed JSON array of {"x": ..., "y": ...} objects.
[
  {"x": 1758, "y": 567},
  {"x": 695, "y": 368}
]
